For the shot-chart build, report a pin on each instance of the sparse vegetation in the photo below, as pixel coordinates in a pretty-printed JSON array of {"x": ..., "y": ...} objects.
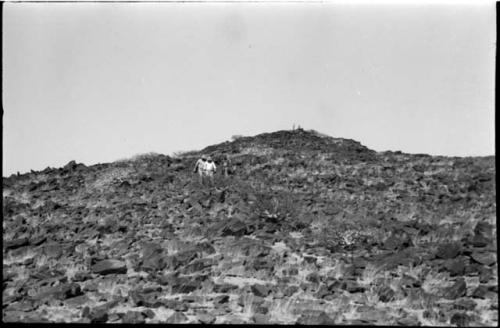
[{"x": 309, "y": 229}]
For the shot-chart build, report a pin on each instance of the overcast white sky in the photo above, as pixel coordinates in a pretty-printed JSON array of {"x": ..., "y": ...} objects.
[{"x": 98, "y": 82}]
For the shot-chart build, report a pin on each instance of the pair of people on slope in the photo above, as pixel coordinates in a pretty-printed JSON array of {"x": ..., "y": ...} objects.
[{"x": 205, "y": 167}]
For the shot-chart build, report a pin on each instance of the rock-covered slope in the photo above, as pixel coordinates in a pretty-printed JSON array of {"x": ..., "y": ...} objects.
[{"x": 308, "y": 229}]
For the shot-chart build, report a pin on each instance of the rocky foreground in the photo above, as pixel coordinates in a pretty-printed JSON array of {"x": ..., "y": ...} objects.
[{"x": 308, "y": 229}]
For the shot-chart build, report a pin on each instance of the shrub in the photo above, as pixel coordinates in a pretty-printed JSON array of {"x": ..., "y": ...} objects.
[{"x": 236, "y": 137}]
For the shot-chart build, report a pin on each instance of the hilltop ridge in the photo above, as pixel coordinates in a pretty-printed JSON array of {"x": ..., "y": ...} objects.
[{"x": 305, "y": 224}]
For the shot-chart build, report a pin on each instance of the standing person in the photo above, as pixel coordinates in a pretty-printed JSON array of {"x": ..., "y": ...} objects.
[
  {"x": 226, "y": 163},
  {"x": 200, "y": 167},
  {"x": 210, "y": 169}
]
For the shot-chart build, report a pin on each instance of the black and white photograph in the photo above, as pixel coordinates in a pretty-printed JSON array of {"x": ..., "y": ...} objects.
[{"x": 249, "y": 162}]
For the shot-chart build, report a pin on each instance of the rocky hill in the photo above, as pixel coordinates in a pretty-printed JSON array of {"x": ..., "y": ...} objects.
[{"x": 307, "y": 229}]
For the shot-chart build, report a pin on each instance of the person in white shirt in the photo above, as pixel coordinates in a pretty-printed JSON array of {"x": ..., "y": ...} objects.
[
  {"x": 210, "y": 169},
  {"x": 205, "y": 167},
  {"x": 200, "y": 167}
]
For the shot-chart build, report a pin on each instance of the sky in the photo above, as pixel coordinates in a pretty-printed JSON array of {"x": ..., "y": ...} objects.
[{"x": 98, "y": 82}]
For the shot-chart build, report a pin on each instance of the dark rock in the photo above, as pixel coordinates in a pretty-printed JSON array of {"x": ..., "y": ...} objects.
[
  {"x": 224, "y": 288},
  {"x": 16, "y": 243},
  {"x": 386, "y": 294},
  {"x": 263, "y": 264},
  {"x": 352, "y": 286},
  {"x": 483, "y": 228},
  {"x": 460, "y": 319},
  {"x": 60, "y": 292},
  {"x": 480, "y": 292},
  {"x": 466, "y": 304},
  {"x": 155, "y": 262},
  {"x": 175, "y": 305},
  {"x": 140, "y": 298},
  {"x": 290, "y": 290},
  {"x": 109, "y": 266},
  {"x": 291, "y": 271},
  {"x": 448, "y": 251},
  {"x": 486, "y": 258},
  {"x": 408, "y": 281},
  {"x": 221, "y": 299},
  {"x": 323, "y": 291},
  {"x": 82, "y": 276},
  {"x": 313, "y": 277},
  {"x": 459, "y": 289},
  {"x": 133, "y": 317},
  {"x": 456, "y": 267},
  {"x": 96, "y": 315},
  {"x": 148, "y": 313},
  {"x": 184, "y": 285},
  {"x": 480, "y": 241},
  {"x": 77, "y": 301},
  {"x": 485, "y": 274},
  {"x": 310, "y": 259},
  {"x": 260, "y": 290},
  {"x": 315, "y": 318}
]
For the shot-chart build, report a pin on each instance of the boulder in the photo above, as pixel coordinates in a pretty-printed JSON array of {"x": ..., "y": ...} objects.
[
  {"x": 465, "y": 304},
  {"x": 480, "y": 292},
  {"x": 459, "y": 289},
  {"x": 184, "y": 285},
  {"x": 312, "y": 317},
  {"x": 483, "y": 228},
  {"x": 456, "y": 267},
  {"x": 177, "y": 317},
  {"x": 352, "y": 286},
  {"x": 154, "y": 262},
  {"x": 460, "y": 319},
  {"x": 96, "y": 315},
  {"x": 224, "y": 288},
  {"x": 386, "y": 294},
  {"x": 133, "y": 317},
  {"x": 486, "y": 258},
  {"x": 148, "y": 313},
  {"x": 82, "y": 276},
  {"x": 175, "y": 305},
  {"x": 260, "y": 290},
  {"x": 448, "y": 251},
  {"x": 480, "y": 241},
  {"x": 205, "y": 318},
  {"x": 60, "y": 292},
  {"x": 109, "y": 266}
]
